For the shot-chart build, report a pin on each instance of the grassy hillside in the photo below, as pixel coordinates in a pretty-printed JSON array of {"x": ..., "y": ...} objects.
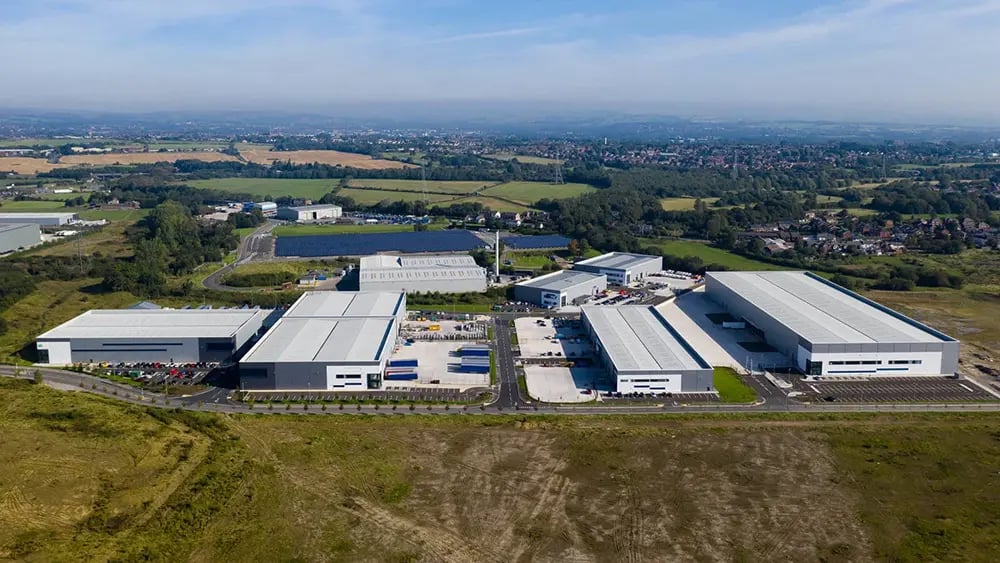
[{"x": 90, "y": 479}]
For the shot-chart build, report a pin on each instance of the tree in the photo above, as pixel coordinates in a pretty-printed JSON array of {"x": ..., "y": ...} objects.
[{"x": 574, "y": 247}]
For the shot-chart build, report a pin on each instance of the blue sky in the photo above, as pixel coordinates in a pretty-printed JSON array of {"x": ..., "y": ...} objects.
[{"x": 925, "y": 60}]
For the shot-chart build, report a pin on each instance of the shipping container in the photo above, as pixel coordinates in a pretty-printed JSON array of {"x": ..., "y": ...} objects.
[{"x": 406, "y": 376}]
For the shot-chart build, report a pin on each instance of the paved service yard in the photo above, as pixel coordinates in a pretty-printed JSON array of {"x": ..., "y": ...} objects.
[
  {"x": 564, "y": 385},
  {"x": 440, "y": 361},
  {"x": 719, "y": 346},
  {"x": 893, "y": 389},
  {"x": 537, "y": 341}
]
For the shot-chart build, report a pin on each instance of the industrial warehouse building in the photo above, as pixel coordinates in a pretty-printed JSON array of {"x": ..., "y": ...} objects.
[
  {"x": 144, "y": 335},
  {"x": 451, "y": 273},
  {"x": 643, "y": 353},
  {"x": 307, "y": 213},
  {"x": 621, "y": 268},
  {"x": 43, "y": 219},
  {"x": 17, "y": 236},
  {"x": 828, "y": 330},
  {"x": 560, "y": 288},
  {"x": 327, "y": 341}
]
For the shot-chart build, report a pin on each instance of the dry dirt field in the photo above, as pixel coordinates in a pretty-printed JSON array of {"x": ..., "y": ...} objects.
[
  {"x": 333, "y": 158},
  {"x": 141, "y": 158},
  {"x": 26, "y": 166},
  {"x": 92, "y": 479}
]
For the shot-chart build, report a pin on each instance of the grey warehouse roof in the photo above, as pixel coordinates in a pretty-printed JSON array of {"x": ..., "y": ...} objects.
[
  {"x": 561, "y": 281},
  {"x": 637, "y": 338},
  {"x": 163, "y": 323},
  {"x": 822, "y": 312},
  {"x": 14, "y": 226},
  {"x": 618, "y": 260},
  {"x": 328, "y": 340},
  {"x": 346, "y": 304},
  {"x": 384, "y": 268}
]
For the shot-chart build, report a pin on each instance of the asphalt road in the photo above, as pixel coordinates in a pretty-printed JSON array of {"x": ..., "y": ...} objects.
[
  {"x": 249, "y": 248},
  {"x": 215, "y": 400},
  {"x": 509, "y": 394}
]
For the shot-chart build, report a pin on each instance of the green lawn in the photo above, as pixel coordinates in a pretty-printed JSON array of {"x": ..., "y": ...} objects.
[
  {"x": 299, "y": 230},
  {"x": 129, "y": 215},
  {"x": 274, "y": 187},
  {"x": 529, "y": 261},
  {"x": 451, "y": 187},
  {"x": 36, "y": 206},
  {"x": 708, "y": 254},
  {"x": 528, "y": 193},
  {"x": 730, "y": 388}
]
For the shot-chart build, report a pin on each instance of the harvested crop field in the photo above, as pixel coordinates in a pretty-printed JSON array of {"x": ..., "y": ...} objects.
[
  {"x": 333, "y": 158},
  {"x": 87, "y": 479},
  {"x": 141, "y": 158},
  {"x": 27, "y": 166}
]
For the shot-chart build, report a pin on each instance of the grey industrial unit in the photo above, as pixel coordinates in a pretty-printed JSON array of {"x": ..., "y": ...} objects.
[
  {"x": 17, "y": 236},
  {"x": 644, "y": 353},
  {"x": 829, "y": 330},
  {"x": 451, "y": 273},
  {"x": 310, "y": 213},
  {"x": 621, "y": 268},
  {"x": 43, "y": 219},
  {"x": 327, "y": 341},
  {"x": 142, "y": 335},
  {"x": 560, "y": 288}
]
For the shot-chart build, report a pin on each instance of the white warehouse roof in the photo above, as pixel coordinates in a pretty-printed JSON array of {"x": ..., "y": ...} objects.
[
  {"x": 346, "y": 304},
  {"x": 384, "y": 268},
  {"x": 33, "y": 217},
  {"x": 822, "y": 312},
  {"x": 316, "y": 207},
  {"x": 561, "y": 281},
  {"x": 637, "y": 338},
  {"x": 162, "y": 323},
  {"x": 330, "y": 340},
  {"x": 618, "y": 260}
]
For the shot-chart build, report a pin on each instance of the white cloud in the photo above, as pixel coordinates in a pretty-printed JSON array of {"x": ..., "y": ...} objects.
[{"x": 918, "y": 59}]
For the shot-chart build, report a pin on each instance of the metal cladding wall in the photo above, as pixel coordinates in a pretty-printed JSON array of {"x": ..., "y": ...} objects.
[
  {"x": 427, "y": 286},
  {"x": 181, "y": 350},
  {"x": 19, "y": 236},
  {"x": 532, "y": 294},
  {"x": 301, "y": 376}
]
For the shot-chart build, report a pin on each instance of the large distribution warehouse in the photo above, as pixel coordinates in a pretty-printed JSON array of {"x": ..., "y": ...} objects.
[
  {"x": 327, "y": 341},
  {"x": 644, "y": 353},
  {"x": 43, "y": 219},
  {"x": 621, "y": 268},
  {"x": 560, "y": 288},
  {"x": 143, "y": 335},
  {"x": 310, "y": 213},
  {"x": 421, "y": 274},
  {"x": 17, "y": 236},
  {"x": 829, "y": 330}
]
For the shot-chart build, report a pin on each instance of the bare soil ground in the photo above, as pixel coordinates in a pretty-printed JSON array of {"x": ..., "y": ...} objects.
[
  {"x": 333, "y": 158},
  {"x": 87, "y": 479}
]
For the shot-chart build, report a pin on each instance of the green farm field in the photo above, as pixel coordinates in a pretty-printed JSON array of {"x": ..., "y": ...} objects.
[
  {"x": 87, "y": 478},
  {"x": 492, "y": 203},
  {"x": 274, "y": 187},
  {"x": 372, "y": 197},
  {"x": 526, "y": 159},
  {"x": 451, "y": 187},
  {"x": 528, "y": 193},
  {"x": 684, "y": 203},
  {"x": 708, "y": 254},
  {"x": 36, "y": 206}
]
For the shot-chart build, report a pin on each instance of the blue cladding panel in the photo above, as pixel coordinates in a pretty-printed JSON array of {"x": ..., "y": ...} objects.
[
  {"x": 364, "y": 244},
  {"x": 540, "y": 241}
]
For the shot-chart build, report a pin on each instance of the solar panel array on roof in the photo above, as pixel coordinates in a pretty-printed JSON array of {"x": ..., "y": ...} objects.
[
  {"x": 821, "y": 313},
  {"x": 636, "y": 339},
  {"x": 537, "y": 241},
  {"x": 361, "y": 244}
]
